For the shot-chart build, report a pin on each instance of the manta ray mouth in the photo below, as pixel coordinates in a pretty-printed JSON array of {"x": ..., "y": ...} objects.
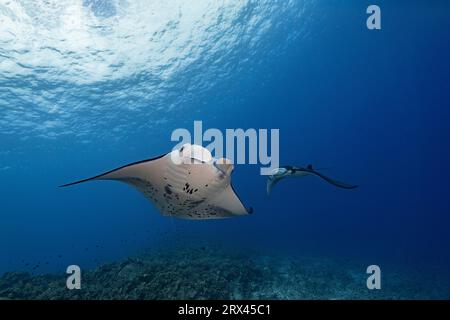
[{"x": 218, "y": 167}]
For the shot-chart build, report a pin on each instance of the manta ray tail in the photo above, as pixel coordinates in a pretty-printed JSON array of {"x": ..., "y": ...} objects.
[{"x": 336, "y": 183}]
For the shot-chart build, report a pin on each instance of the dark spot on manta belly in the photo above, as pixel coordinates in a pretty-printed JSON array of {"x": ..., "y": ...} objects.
[
  {"x": 167, "y": 189},
  {"x": 196, "y": 202}
]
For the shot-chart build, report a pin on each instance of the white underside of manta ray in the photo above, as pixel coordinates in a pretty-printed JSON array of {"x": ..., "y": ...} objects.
[{"x": 186, "y": 183}]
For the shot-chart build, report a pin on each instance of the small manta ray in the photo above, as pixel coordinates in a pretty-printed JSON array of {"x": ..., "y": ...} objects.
[
  {"x": 290, "y": 171},
  {"x": 186, "y": 183}
]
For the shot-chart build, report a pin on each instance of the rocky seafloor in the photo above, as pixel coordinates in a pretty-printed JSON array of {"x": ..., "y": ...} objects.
[{"x": 215, "y": 274}]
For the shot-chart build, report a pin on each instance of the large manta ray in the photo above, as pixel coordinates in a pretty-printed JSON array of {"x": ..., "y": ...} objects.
[
  {"x": 185, "y": 183},
  {"x": 289, "y": 171}
]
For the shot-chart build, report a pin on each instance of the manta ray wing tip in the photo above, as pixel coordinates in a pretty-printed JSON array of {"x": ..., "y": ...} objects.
[
  {"x": 66, "y": 185},
  {"x": 77, "y": 182}
]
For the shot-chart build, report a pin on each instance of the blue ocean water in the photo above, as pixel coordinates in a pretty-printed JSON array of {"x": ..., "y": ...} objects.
[{"x": 88, "y": 86}]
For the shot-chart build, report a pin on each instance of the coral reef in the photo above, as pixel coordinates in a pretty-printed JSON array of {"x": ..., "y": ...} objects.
[{"x": 216, "y": 274}]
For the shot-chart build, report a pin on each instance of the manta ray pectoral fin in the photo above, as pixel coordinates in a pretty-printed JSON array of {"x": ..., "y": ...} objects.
[
  {"x": 336, "y": 183},
  {"x": 134, "y": 169},
  {"x": 229, "y": 201}
]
